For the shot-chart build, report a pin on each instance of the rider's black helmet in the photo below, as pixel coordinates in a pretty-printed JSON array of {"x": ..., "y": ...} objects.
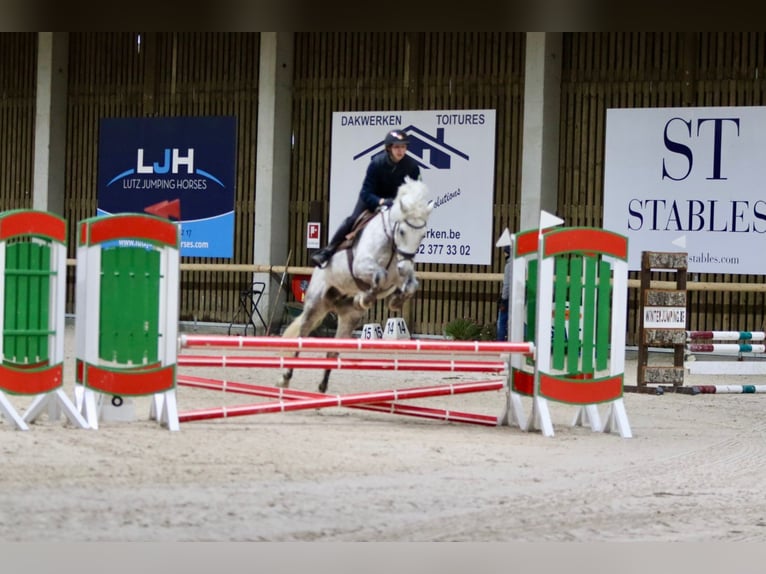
[{"x": 396, "y": 137}]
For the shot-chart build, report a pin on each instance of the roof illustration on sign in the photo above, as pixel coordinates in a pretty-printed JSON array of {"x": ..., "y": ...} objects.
[
  {"x": 428, "y": 150},
  {"x": 167, "y": 208}
]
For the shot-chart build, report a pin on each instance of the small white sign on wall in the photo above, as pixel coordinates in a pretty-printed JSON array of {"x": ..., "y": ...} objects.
[{"x": 313, "y": 233}]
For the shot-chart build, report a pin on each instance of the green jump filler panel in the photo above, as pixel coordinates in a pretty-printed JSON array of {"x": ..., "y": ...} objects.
[
  {"x": 127, "y": 311},
  {"x": 569, "y": 294},
  {"x": 32, "y": 294}
]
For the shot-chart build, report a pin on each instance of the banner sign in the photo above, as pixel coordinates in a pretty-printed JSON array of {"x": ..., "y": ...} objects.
[
  {"x": 456, "y": 153},
  {"x": 689, "y": 180},
  {"x": 180, "y": 168}
]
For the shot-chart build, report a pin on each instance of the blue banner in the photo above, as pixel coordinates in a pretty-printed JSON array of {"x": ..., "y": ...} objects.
[{"x": 180, "y": 168}]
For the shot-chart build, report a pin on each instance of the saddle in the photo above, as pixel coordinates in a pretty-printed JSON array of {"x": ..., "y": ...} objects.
[{"x": 360, "y": 223}]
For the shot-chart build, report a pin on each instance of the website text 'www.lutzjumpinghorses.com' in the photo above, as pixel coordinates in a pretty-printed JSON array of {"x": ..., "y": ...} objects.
[
  {"x": 184, "y": 244},
  {"x": 194, "y": 245},
  {"x": 706, "y": 257}
]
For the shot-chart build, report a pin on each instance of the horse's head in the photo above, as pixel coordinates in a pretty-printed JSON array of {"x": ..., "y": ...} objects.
[{"x": 409, "y": 221}]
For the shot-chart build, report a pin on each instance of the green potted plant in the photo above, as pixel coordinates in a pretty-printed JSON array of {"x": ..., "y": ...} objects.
[{"x": 463, "y": 330}]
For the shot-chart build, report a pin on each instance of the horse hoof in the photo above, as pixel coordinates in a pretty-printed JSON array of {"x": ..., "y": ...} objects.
[
  {"x": 322, "y": 387},
  {"x": 283, "y": 384}
]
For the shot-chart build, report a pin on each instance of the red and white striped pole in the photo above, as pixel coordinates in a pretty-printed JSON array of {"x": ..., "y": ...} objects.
[
  {"x": 351, "y": 344},
  {"x": 342, "y": 363},
  {"x": 385, "y": 407},
  {"x": 340, "y": 400}
]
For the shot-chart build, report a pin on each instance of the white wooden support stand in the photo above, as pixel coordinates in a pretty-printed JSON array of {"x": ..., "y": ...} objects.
[{"x": 11, "y": 414}]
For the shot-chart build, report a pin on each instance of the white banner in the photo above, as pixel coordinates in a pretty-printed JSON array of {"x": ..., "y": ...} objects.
[
  {"x": 690, "y": 180},
  {"x": 456, "y": 153}
]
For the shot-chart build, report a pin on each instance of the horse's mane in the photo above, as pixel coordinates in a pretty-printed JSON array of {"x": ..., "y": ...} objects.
[{"x": 413, "y": 199}]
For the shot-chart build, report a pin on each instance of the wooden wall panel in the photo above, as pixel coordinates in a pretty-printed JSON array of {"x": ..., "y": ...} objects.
[
  {"x": 172, "y": 74},
  {"x": 18, "y": 79}
]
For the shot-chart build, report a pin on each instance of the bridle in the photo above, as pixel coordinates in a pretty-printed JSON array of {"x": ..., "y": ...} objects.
[{"x": 391, "y": 234}]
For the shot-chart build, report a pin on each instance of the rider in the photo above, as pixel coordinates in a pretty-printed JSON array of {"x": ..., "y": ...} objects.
[{"x": 385, "y": 174}]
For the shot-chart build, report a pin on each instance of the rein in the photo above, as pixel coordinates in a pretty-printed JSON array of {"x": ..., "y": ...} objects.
[{"x": 404, "y": 254}]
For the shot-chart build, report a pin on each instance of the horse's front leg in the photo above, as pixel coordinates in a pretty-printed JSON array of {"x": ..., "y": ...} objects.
[
  {"x": 402, "y": 294},
  {"x": 396, "y": 300},
  {"x": 406, "y": 289},
  {"x": 409, "y": 286},
  {"x": 366, "y": 299},
  {"x": 409, "y": 283}
]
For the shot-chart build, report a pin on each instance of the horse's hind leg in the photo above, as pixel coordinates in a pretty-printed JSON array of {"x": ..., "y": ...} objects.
[
  {"x": 302, "y": 326},
  {"x": 287, "y": 376},
  {"x": 326, "y": 376},
  {"x": 349, "y": 318}
]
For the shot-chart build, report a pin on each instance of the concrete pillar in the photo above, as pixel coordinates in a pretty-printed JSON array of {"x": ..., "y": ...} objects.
[
  {"x": 50, "y": 122},
  {"x": 272, "y": 177},
  {"x": 542, "y": 100}
]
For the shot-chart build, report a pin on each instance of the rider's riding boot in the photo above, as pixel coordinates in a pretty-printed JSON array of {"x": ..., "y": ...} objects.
[{"x": 321, "y": 257}]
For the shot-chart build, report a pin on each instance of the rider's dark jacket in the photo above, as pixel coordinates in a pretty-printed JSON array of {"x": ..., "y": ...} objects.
[{"x": 384, "y": 177}]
